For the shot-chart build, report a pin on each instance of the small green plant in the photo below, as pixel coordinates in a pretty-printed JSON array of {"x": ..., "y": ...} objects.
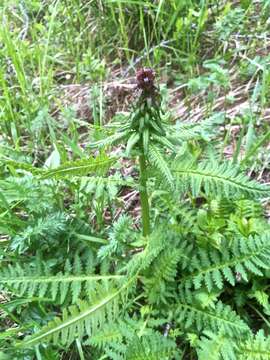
[
  {"x": 144, "y": 131},
  {"x": 128, "y": 231},
  {"x": 190, "y": 281}
]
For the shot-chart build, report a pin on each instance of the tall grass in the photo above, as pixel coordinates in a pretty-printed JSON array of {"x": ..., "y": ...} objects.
[{"x": 49, "y": 44}]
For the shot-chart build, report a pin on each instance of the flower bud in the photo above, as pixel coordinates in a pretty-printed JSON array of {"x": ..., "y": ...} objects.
[{"x": 145, "y": 78}]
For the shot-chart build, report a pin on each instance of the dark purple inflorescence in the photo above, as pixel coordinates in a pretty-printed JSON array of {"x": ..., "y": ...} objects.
[{"x": 145, "y": 79}]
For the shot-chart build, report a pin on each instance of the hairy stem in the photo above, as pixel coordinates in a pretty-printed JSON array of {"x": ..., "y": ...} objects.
[{"x": 144, "y": 196}]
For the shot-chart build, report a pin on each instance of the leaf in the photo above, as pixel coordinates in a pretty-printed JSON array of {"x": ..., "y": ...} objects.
[
  {"x": 22, "y": 281},
  {"x": 73, "y": 324},
  {"x": 132, "y": 141},
  {"x": 160, "y": 163},
  {"x": 79, "y": 168},
  {"x": 250, "y": 255},
  {"x": 78, "y": 320},
  {"x": 82, "y": 167},
  {"x": 217, "y": 180},
  {"x": 53, "y": 160},
  {"x": 221, "y": 317}
]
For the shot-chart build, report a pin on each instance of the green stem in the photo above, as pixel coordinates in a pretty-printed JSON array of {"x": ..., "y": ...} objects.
[{"x": 144, "y": 196}]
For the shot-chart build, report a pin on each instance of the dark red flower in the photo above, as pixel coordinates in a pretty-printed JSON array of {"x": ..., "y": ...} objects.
[{"x": 145, "y": 78}]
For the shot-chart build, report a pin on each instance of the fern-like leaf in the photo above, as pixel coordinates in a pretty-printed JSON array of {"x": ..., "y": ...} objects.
[
  {"x": 46, "y": 228},
  {"x": 185, "y": 131},
  {"x": 217, "y": 180},
  {"x": 71, "y": 168},
  {"x": 152, "y": 347},
  {"x": 142, "y": 260},
  {"x": 158, "y": 285},
  {"x": 216, "y": 347},
  {"x": 220, "y": 317},
  {"x": 255, "y": 348},
  {"x": 109, "y": 333},
  {"x": 157, "y": 160},
  {"x": 110, "y": 140},
  {"x": 79, "y": 168},
  {"x": 79, "y": 320},
  {"x": 16, "y": 165},
  {"x": 245, "y": 256},
  {"x": 39, "y": 281}
]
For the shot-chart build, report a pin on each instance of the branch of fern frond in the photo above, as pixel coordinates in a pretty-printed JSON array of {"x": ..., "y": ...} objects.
[{"x": 221, "y": 178}]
